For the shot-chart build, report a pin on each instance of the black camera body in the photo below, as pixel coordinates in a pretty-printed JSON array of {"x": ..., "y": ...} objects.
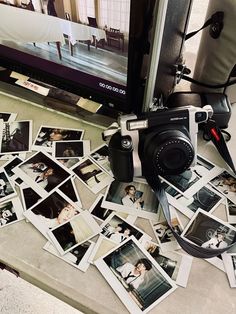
[{"x": 163, "y": 142}]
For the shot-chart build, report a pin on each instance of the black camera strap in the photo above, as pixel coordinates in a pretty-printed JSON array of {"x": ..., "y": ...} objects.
[
  {"x": 215, "y": 135},
  {"x": 192, "y": 249}
]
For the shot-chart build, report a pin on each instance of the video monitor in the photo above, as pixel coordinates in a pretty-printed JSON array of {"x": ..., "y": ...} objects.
[{"x": 97, "y": 49}]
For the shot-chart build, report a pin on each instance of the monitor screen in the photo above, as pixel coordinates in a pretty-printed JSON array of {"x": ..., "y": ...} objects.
[{"x": 93, "y": 48}]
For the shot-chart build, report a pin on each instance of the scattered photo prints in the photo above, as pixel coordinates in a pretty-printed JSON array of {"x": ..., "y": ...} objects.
[
  {"x": 176, "y": 265},
  {"x": 42, "y": 172},
  {"x": 6, "y": 188},
  {"x": 16, "y": 137},
  {"x": 10, "y": 211},
  {"x": 8, "y": 116},
  {"x": 92, "y": 175},
  {"x": 118, "y": 229},
  {"x": 230, "y": 268},
  {"x": 206, "y": 198},
  {"x": 226, "y": 184},
  {"x": 77, "y": 230},
  {"x": 78, "y": 257},
  {"x": 70, "y": 149},
  {"x": 47, "y": 135},
  {"x": 134, "y": 275},
  {"x": 135, "y": 198},
  {"x": 163, "y": 232},
  {"x": 192, "y": 180},
  {"x": 100, "y": 156},
  {"x": 208, "y": 231},
  {"x": 51, "y": 211}
]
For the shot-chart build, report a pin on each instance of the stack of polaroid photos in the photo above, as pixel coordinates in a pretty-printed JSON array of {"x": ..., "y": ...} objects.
[{"x": 139, "y": 258}]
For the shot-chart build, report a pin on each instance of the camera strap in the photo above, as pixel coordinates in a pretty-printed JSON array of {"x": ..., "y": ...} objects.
[
  {"x": 192, "y": 249},
  {"x": 215, "y": 135}
]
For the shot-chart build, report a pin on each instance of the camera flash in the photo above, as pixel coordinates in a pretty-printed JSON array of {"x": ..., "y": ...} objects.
[{"x": 137, "y": 124}]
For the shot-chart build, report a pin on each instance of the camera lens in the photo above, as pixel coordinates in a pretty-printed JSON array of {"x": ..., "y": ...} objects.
[{"x": 169, "y": 151}]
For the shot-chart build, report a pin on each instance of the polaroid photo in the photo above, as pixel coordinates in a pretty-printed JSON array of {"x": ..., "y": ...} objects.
[
  {"x": 118, "y": 230},
  {"x": 176, "y": 265},
  {"x": 8, "y": 116},
  {"x": 208, "y": 231},
  {"x": 17, "y": 137},
  {"x": 78, "y": 257},
  {"x": 206, "y": 198},
  {"x": 70, "y": 149},
  {"x": 91, "y": 175},
  {"x": 208, "y": 165},
  {"x": 75, "y": 231},
  {"x": 70, "y": 190},
  {"x": 7, "y": 189},
  {"x": 43, "y": 173},
  {"x": 29, "y": 196},
  {"x": 163, "y": 233},
  {"x": 225, "y": 183},
  {"x": 135, "y": 198},
  {"x": 51, "y": 212},
  {"x": 217, "y": 262},
  {"x": 231, "y": 211},
  {"x": 100, "y": 156},
  {"x": 230, "y": 268},
  {"x": 191, "y": 180},
  {"x": 102, "y": 214},
  {"x": 47, "y": 135},
  {"x": 135, "y": 276},
  {"x": 11, "y": 211},
  {"x": 10, "y": 165},
  {"x": 102, "y": 246}
]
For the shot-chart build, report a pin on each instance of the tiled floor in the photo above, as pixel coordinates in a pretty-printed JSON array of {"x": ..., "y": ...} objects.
[{"x": 20, "y": 297}]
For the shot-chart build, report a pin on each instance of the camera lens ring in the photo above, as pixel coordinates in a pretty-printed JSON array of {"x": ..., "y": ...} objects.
[{"x": 168, "y": 151}]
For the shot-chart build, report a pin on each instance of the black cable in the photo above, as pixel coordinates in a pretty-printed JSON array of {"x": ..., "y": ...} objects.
[{"x": 189, "y": 79}]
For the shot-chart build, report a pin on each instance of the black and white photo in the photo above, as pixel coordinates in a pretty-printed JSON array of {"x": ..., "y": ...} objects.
[
  {"x": 91, "y": 174},
  {"x": 231, "y": 211},
  {"x": 134, "y": 275},
  {"x": 16, "y": 137},
  {"x": 47, "y": 135},
  {"x": 8, "y": 116},
  {"x": 77, "y": 230},
  {"x": 70, "y": 149},
  {"x": 209, "y": 231},
  {"x": 100, "y": 156},
  {"x": 7, "y": 189},
  {"x": 118, "y": 229},
  {"x": 11, "y": 211},
  {"x": 225, "y": 182},
  {"x": 42, "y": 172},
  {"x": 51, "y": 211},
  {"x": 230, "y": 268},
  {"x": 135, "y": 198}
]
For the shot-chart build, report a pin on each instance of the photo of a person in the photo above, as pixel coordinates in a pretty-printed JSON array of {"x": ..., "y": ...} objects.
[
  {"x": 42, "y": 173},
  {"x": 48, "y": 135},
  {"x": 226, "y": 184},
  {"x": 120, "y": 233},
  {"x": 16, "y": 137},
  {"x": 10, "y": 212},
  {"x": 6, "y": 188},
  {"x": 71, "y": 149},
  {"x": 216, "y": 242},
  {"x": 130, "y": 199},
  {"x": 135, "y": 198},
  {"x": 134, "y": 275},
  {"x": 101, "y": 156}
]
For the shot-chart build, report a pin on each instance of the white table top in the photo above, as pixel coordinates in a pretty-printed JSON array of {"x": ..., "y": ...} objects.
[{"x": 21, "y": 245}]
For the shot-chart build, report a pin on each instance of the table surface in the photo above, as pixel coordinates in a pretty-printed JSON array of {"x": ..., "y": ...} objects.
[{"x": 21, "y": 244}]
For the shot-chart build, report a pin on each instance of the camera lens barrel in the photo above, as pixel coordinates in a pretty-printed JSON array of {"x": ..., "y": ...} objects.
[{"x": 168, "y": 151}]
